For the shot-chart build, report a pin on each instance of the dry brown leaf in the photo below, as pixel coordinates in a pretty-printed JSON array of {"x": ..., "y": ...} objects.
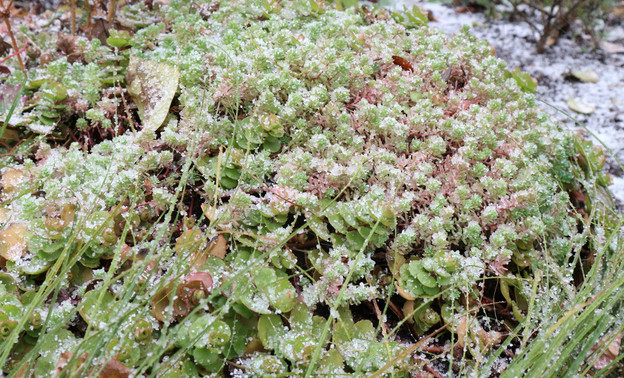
[
  {"x": 218, "y": 247},
  {"x": 610, "y": 354},
  {"x": 4, "y": 47},
  {"x": 429, "y": 15},
  {"x": 550, "y": 41},
  {"x": 98, "y": 29},
  {"x": 618, "y": 11},
  {"x": 67, "y": 44},
  {"x": 461, "y": 332},
  {"x": 115, "y": 369},
  {"x": 404, "y": 63},
  {"x": 254, "y": 346},
  {"x": 62, "y": 362},
  {"x": 403, "y": 293},
  {"x": 189, "y": 240},
  {"x": 408, "y": 309},
  {"x": 21, "y": 373},
  {"x": 466, "y": 9}
]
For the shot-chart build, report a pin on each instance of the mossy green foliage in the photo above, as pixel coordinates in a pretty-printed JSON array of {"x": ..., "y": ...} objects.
[{"x": 314, "y": 162}]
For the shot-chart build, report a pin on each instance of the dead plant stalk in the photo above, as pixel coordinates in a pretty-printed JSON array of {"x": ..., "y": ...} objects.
[{"x": 5, "y": 13}]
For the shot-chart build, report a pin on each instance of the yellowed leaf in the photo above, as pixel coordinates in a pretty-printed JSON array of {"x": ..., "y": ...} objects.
[
  {"x": 580, "y": 107},
  {"x": 152, "y": 86},
  {"x": 11, "y": 179},
  {"x": 4, "y": 215},
  {"x": 209, "y": 211},
  {"x": 189, "y": 240},
  {"x": 402, "y": 292},
  {"x": 12, "y": 244},
  {"x": 589, "y": 76}
]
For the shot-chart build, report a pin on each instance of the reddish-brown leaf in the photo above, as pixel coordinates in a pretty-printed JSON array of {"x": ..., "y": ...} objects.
[
  {"x": 610, "y": 353},
  {"x": 404, "y": 63},
  {"x": 115, "y": 369},
  {"x": 218, "y": 247},
  {"x": 67, "y": 44}
]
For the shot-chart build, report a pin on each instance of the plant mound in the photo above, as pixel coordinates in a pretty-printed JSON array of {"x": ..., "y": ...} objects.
[{"x": 282, "y": 187}]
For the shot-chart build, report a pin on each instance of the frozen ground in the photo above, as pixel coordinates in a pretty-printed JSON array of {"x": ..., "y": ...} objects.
[{"x": 515, "y": 43}]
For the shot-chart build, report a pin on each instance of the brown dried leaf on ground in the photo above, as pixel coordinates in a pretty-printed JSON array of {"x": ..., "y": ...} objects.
[
  {"x": 610, "y": 354},
  {"x": 98, "y": 29},
  {"x": 67, "y": 44},
  {"x": 4, "y": 47},
  {"x": 218, "y": 247},
  {"x": 115, "y": 369},
  {"x": 403, "y": 63}
]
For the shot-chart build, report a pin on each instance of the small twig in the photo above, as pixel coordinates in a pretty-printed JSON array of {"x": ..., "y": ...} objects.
[
  {"x": 384, "y": 326},
  {"x": 112, "y": 10},
  {"x": 6, "y": 15},
  {"x": 72, "y": 6},
  {"x": 432, "y": 371}
]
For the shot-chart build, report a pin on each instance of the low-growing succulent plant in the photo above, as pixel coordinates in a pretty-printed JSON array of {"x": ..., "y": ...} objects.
[{"x": 283, "y": 188}]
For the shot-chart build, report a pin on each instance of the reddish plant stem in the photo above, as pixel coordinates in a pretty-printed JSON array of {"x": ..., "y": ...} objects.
[{"x": 15, "y": 53}]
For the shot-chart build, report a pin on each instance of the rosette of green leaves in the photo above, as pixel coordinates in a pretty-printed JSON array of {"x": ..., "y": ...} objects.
[
  {"x": 250, "y": 135},
  {"x": 47, "y": 238},
  {"x": 99, "y": 237},
  {"x": 227, "y": 166},
  {"x": 12, "y": 308},
  {"x": 10, "y": 314},
  {"x": 265, "y": 290},
  {"x": 427, "y": 276},
  {"x": 355, "y": 222},
  {"x": 209, "y": 340},
  {"x": 264, "y": 364},
  {"x": 296, "y": 341},
  {"x": 259, "y": 132},
  {"x": 47, "y": 104},
  {"x": 134, "y": 330},
  {"x": 422, "y": 315},
  {"x": 35, "y": 322},
  {"x": 260, "y": 220},
  {"x": 358, "y": 345},
  {"x": 182, "y": 297}
]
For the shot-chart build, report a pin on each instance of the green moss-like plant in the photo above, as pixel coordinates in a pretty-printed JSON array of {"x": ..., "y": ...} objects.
[{"x": 326, "y": 188}]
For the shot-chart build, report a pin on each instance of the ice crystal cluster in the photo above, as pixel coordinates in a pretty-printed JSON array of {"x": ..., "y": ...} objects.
[{"x": 326, "y": 187}]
